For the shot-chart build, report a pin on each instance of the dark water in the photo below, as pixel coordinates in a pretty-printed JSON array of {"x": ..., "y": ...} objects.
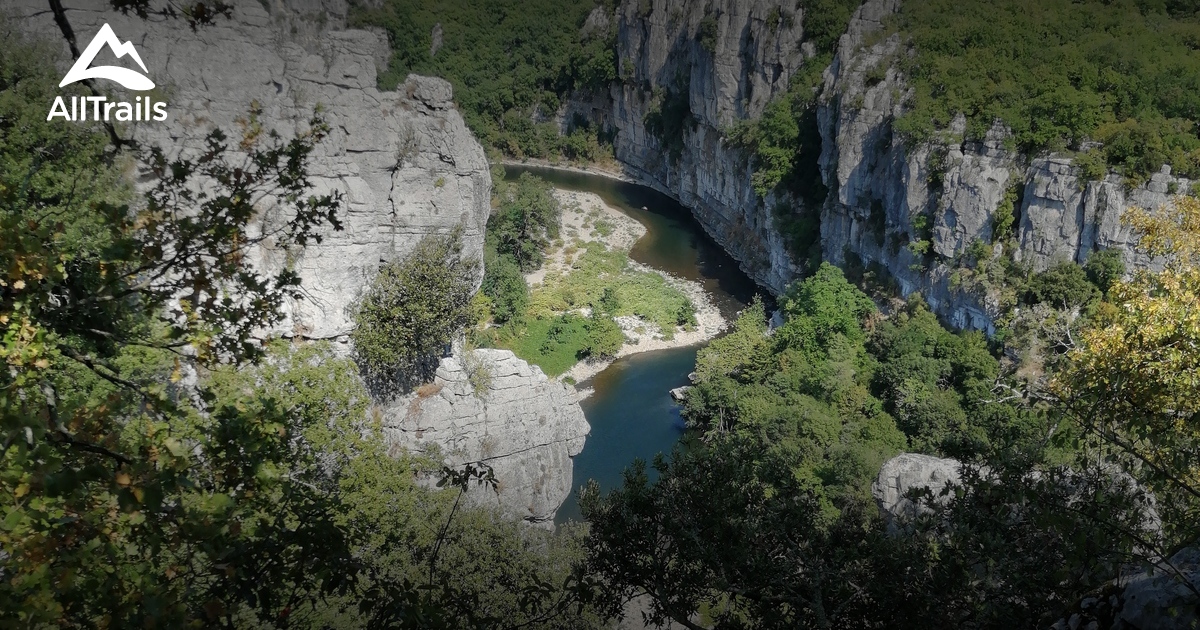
[{"x": 631, "y": 412}]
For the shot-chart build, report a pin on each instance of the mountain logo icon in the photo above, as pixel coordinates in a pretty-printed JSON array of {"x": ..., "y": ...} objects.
[{"x": 130, "y": 79}]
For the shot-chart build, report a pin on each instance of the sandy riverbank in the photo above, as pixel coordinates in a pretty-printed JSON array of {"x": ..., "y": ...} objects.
[
  {"x": 613, "y": 171},
  {"x": 580, "y": 213}
]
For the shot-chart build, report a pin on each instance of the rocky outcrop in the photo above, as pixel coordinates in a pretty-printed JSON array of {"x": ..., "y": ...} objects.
[
  {"x": 724, "y": 59},
  {"x": 908, "y": 471},
  {"x": 489, "y": 406},
  {"x": 882, "y": 189},
  {"x": 407, "y": 166},
  {"x": 1163, "y": 597},
  {"x": 405, "y": 161},
  {"x": 907, "y": 211}
]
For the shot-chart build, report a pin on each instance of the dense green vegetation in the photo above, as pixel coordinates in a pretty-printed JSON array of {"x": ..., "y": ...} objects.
[
  {"x": 413, "y": 308},
  {"x": 569, "y": 315},
  {"x": 836, "y": 400},
  {"x": 1125, "y": 73},
  {"x": 159, "y": 467},
  {"x": 509, "y": 62},
  {"x": 767, "y": 521}
]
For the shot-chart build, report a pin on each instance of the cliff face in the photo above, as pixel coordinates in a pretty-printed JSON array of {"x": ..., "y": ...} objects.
[
  {"x": 513, "y": 418},
  {"x": 725, "y": 59},
  {"x": 405, "y": 161},
  {"x": 879, "y": 186},
  {"x": 407, "y": 165}
]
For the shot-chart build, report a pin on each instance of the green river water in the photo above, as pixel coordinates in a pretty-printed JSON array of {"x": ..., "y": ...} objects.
[{"x": 631, "y": 412}]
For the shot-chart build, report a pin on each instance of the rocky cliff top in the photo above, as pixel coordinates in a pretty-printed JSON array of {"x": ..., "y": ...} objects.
[
  {"x": 405, "y": 161},
  {"x": 489, "y": 406}
]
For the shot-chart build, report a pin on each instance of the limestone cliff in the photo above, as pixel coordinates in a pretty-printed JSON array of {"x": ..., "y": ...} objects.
[
  {"x": 879, "y": 186},
  {"x": 489, "y": 406},
  {"x": 725, "y": 59},
  {"x": 406, "y": 162},
  {"x": 407, "y": 165}
]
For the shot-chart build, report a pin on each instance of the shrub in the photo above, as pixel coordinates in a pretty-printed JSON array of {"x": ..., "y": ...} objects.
[
  {"x": 526, "y": 219},
  {"x": 412, "y": 309},
  {"x": 1065, "y": 285},
  {"x": 604, "y": 337},
  {"x": 707, "y": 33},
  {"x": 1104, "y": 267},
  {"x": 504, "y": 285}
]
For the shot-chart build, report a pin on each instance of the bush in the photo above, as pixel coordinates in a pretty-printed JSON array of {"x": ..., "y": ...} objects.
[
  {"x": 1057, "y": 73},
  {"x": 504, "y": 285},
  {"x": 604, "y": 337},
  {"x": 1065, "y": 285},
  {"x": 413, "y": 308},
  {"x": 1104, "y": 267}
]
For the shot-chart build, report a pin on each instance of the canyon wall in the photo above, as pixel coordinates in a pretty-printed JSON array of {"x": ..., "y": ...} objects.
[
  {"x": 407, "y": 166},
  {"x": 726, "y": 59},
  {"x": 404, "y": 160},
  {"x": 877, "y": 185}
]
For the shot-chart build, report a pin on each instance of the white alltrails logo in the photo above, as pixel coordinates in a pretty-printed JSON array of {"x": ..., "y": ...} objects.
[{"x": 143, "y": 108}]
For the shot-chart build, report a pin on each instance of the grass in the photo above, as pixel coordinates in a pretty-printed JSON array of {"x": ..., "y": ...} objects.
[
  {"x": 553, "y": 343},
  {"x": 641, "y": 293},
  {"x": 553, "y": 337}
]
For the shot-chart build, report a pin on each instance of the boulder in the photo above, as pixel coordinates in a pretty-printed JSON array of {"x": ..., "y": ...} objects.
[{"x": 490, "y": 406}]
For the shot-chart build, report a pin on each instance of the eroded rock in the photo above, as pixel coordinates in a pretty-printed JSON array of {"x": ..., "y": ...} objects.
[
  {"x": 515, "y": 419},
  {"x": 405, "y": 161}
]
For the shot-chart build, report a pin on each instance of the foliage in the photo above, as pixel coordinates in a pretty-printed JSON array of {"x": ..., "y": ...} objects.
[
  {"x": 1064, "y": 286},
  {"x": 604, "y": 337},
  {"x": 1059, "y": 73},
  {"x": 506, "y": 60},
  {"x": 413, "y": 308},
  {"x": 1104, "y": 267},
  {"x": 504, "y": 284},
  {"x": 600, "y": 272},
  {"x": 766, "y": 523},
  {"x": 1129, "y": 381},
  {"x": 527, "y": 217},
  {"x": 706, "y": 34},
  {"x": 552, "y": 343},
  {"x": 785, "y": 141},
  {"x": 122, "y": 501},
  {"x": 670, "y": 117}
]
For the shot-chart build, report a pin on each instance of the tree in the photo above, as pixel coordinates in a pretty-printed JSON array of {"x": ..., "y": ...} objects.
[
  {"x": 129, "y": 496},
  {"x": 413, "y": 308},
  {"x": 526, "y": 219},
  {"x": 503, "y": 284},
  {"x": 604, "y": 337},
  {"x": 1129, "y": 381}
]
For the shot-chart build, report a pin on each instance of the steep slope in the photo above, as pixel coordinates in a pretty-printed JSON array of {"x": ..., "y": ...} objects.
[
  {"x": 524, "y": 425},
  {"x": 688, "y": 71},
  {"x": 406, "y": 164},
  {"x": 404, "y": 160},
  {"x": 879, "y": 187}
]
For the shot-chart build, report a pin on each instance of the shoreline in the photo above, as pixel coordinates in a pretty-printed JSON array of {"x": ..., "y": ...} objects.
[
  {"x": 640, "y": 336},
  {"x": 616, "y": 175}
]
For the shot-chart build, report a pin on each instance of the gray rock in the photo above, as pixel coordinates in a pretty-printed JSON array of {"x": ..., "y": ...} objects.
[
  {"x": 750, "y": 61},
  {"x": 1164, "y": 598},
  {"x": 679, "y": 393},
  {"x": 878, "y": 185},
  {"x": 905, "y": 472},
  {"x": 406, "y": 162},
  {"x": 523, "y": 424}
]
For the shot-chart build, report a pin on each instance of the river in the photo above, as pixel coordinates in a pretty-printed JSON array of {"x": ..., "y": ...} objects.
[{"x": 631, "y": 412}]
